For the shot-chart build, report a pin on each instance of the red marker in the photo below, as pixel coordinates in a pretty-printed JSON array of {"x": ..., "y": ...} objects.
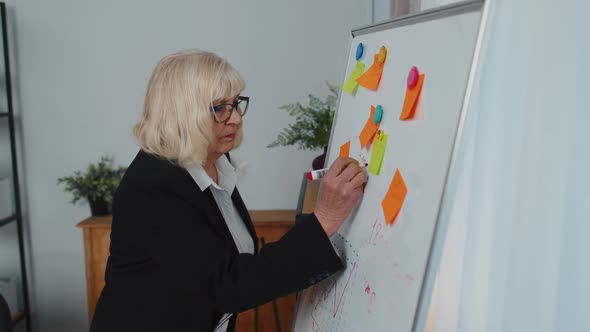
[{"x": 319, "y": 173}]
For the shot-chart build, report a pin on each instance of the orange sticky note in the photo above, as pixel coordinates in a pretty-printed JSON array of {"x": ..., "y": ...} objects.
[
  {"x": 371, "y": 78},
  {"x": 369, "y": 130},
  {"x": 345, "y": 149},
  {"x": 411, "y": 101},
  {"x": 394, "y": 198}
]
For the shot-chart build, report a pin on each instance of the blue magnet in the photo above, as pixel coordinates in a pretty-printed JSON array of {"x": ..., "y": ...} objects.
[
  {"x": 378, "y": 114},
  {"x": 359, "y": 51}
]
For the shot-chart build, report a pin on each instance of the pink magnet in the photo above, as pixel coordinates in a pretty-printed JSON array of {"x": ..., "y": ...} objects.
[{"x": 413, "y": 77}]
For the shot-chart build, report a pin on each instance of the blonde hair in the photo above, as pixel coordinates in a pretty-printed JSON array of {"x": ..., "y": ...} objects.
[{"x": 176, "y": 123}]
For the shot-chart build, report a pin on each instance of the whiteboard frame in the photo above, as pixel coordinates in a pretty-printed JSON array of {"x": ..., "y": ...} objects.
[
  {"x": 441, "y": 225},
  {"x": 423, "y": 16}
]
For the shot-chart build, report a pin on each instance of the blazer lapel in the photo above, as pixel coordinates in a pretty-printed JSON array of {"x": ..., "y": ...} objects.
[
  {"x": 237, "y": 199},
  {"x": 243, "y": 211},
  {"x": 185, "y": 186},
  {"x": 216, "y": 218},
  {"x": 206, "y": 201}
]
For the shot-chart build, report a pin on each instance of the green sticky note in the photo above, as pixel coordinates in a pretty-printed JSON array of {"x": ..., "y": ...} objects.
[
  {"x": 379, "y": 145},
  {"x": 350, "y": 85}
]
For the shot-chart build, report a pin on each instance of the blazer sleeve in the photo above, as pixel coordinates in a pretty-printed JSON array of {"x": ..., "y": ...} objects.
[{"x": 194, "y": 257}]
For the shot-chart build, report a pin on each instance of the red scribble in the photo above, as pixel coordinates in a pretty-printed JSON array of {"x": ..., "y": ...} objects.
[
  {"x": 376, "y": 232},
  {"x": 344, "y": 290},
  {"x": 368, "y": 289},
  {"x": 362, "y": 157},
  {"x": 326, "y": 293},
  {"x": 314, "y": 328},
  {"x": 409, "y": 280},
  {"x": 372, "y": 301}
]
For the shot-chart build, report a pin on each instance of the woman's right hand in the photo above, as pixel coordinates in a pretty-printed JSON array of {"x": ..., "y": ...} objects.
[{"x": 342, "y": 189}]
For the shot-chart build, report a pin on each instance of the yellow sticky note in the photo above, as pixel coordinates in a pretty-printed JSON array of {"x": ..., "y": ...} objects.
[
  {"x": 345, "y": 149},
  {"x": 394, "y": 199},
  {"x": 378, "y": 153},
  {"x": 350, "y": 85}
]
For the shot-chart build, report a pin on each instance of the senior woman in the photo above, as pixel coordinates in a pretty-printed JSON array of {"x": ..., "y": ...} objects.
[{"x": 183, "y": 254}]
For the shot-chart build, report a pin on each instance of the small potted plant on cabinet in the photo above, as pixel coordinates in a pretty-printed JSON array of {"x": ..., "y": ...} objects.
[
  {"x": 97, "y": 185},
  {"x": 312, "y": 127}
]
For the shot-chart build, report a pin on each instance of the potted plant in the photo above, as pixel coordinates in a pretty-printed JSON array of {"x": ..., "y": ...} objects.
[
  {"x": 312, "y": 127},
  {"x": 97, "y": 185}
]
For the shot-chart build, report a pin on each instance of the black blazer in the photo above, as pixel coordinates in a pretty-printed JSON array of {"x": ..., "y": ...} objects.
[{"x": 173, "y": 265}]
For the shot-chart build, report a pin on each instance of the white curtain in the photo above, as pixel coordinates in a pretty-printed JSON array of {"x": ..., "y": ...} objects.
[
  {"x": 516, "y": 255},
  {"x": 429, "y": 4},
  {"x": 386, "y": 9}
]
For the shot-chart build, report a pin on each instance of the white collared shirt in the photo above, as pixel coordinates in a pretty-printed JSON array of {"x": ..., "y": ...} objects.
[{"x": 222, "y": 194}]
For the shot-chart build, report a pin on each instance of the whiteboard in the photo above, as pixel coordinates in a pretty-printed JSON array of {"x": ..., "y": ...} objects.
[{"x": 386, "y": 265}]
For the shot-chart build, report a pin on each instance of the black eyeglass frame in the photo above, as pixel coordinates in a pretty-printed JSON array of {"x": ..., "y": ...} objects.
[{"x": 234, "y": 106}]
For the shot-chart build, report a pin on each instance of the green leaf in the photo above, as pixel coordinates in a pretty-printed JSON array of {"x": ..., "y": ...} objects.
[
  {"x": 313, "y": 122},
  {"x": 100, "y": 181}
]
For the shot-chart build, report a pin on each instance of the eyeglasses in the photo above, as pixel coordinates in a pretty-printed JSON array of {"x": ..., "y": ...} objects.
[{"x": 222, "y": 112}]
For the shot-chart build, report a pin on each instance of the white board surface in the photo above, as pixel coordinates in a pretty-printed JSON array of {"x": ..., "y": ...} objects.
[{"x": 386, "y": 264}]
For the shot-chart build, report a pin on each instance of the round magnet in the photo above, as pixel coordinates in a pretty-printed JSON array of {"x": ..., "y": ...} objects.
[
  {"x": 382, "y": 54},
  {"x": 359, "y": 51},
  {"x": 379, "y": 134},
  {"x": 413, "y": 77},
  {"x": 378, "y": 114}
]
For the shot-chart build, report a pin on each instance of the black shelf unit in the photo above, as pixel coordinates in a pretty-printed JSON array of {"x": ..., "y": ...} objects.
[
  {"x": 17, "y": 317},
  {"x": 7, "y": 220},
  {"x": 8, "y": 115}
]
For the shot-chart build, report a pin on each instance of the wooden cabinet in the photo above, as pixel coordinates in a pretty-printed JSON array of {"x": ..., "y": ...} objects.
[
  {"x": 96, "y": 232},
  {"x": 270, "y": 226}
]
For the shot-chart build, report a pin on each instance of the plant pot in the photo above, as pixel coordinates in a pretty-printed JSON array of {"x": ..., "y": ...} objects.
[
  {"x": 98, "y": 207},
  {"x": 318, "y": 162}
]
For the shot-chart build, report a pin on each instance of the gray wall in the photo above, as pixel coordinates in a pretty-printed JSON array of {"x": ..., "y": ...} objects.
[{"x": 81, "y": 69}]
